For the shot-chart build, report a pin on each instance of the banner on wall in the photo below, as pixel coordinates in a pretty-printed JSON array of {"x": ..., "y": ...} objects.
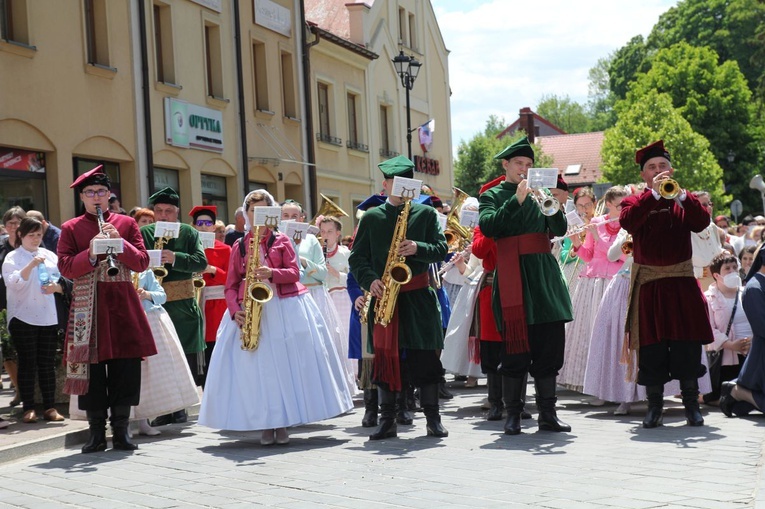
[
  {"x": 190, "y": 126},
  {"x": 22, "y": 160}
]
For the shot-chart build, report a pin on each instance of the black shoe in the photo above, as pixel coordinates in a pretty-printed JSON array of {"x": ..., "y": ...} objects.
[
  {"x": 436, "y": 429},
  {"x": 495, "y": 413},
  {"x": 370, "y": 418},
  {"x": 403, "y": 415},
  {"x": 162, "y": 420},
  {"x": 97, "y": 424},
  {"x": 443, "y": 392},
  {"x": 429, "y": 401},
  {"x": 690, "y": 392},
  {"x": 513, "y": 424},
  {"x": 180, "y": 417},
  {"x": 653, "y": 418},
  {"x": 546, "y": 399},
  {"x": 121, "y": 440},
  {"x": 512, "y": 394},
  {"x": 386, "y": 429},
  {"x": 726, "y": 399}
]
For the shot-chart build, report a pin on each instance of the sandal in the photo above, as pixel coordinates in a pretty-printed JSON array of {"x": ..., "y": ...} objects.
[{"x": 30, "y": 417}]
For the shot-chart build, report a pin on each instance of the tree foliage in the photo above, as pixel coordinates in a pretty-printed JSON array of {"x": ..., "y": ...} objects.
[
  {"x": 625, "y": 64},
  {"x": 600, "y": 105},
  {"x": 715, "y": 100},
  {"x": 651, "y": 118},
  {"x": 563, "y": 112},
  {"x": 475, "y": 164}
]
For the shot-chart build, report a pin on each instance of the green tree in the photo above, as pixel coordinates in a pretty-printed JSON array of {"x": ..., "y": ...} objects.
[
  {"x": 627, "y": 61},
  {"x": 715, "y": 100},
  {"x": 652, "y": 118},
  {"x": 600, "y": 104},
  {"x": 563, "y": 112},
  {"x": 729, "y": 27}
]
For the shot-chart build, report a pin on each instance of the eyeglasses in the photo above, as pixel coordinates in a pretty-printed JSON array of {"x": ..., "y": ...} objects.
[
  {"x": 91, "y": 193},
  {"x": 204, "y": 222}
]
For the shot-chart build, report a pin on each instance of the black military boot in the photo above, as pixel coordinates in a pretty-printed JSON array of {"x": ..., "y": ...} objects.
[
  {"x": 524, "y": 413},
  {"x": 387, "y": 427},
  {"x": 403, "y": 414},
  {"x": 512, "y": 389},
  {"x": 443, "y": 392},
  {"x": 370, "y": 408},
  {"x": 689, "y": 389},
  {"x": 546, "y": 399},
  {"x": 429, "y": 402},
  {"x": 494, "y": 384},
  {"x": 97, "y": 424},
  {"x": 120, "y": 420},
  {"x": 655, "y": 395}
]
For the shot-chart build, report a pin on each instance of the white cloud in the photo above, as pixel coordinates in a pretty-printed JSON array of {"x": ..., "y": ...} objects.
[{"x": 507, "y": 54}]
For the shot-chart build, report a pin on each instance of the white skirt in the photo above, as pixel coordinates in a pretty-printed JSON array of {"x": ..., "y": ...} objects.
[
  {"x": 166, "y": 382},
  {"x": 587, "y": 296},
  {"x": 342, "y": 303},
  {"x": 340, "y": 339},
  {"x": 456, "y": 356},
  {"x": 294, "y": 377},
  {"x": 605, "y": 376}
]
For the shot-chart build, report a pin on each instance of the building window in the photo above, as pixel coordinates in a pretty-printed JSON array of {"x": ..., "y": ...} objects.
[
  {"x": 14, "y": 25},
  {"x": 412, "y": 33},
  {"x": 22, "y": 180},
  {"x": 325, "y": 133},
  {"x": 165, "y": 177},
  {"x": 288, "y": 87},
  {"x": 82, "y": 165},
  {"x": 163, "y": 44},
  {"x": 384, "y": 133},
  {"x": 261, "y": 77},
  {"x": 96, "y": 33},
  {"x": 254, "y": 186},
  {"x": 213, "y": 60},
  {"x": 353, "y": 133},
  {"x": 214, "y": 193},
  {"x": 402, "y": 26}
]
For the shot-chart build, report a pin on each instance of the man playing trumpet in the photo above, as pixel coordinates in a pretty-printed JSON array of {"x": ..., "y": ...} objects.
[{"x": 666, "y": 330}]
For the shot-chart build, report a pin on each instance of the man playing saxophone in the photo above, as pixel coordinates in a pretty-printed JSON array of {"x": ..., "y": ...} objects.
[
  {"x": 406, "y": 350},
  {"x": 530, "y": 300}
]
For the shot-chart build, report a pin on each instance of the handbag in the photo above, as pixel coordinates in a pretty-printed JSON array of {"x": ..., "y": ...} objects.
[{"x": 714, "y": 358}]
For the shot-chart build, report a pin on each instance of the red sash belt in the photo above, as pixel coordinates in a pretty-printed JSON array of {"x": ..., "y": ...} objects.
[
  {"x": 510, "y": 249},
  {"x": 385, "y": 339}
]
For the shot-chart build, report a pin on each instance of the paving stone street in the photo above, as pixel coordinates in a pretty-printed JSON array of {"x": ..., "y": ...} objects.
[{"x": 605, "y": 462}]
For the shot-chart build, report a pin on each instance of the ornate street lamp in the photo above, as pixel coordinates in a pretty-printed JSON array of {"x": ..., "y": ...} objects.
[{"x": 407, "y": 68}]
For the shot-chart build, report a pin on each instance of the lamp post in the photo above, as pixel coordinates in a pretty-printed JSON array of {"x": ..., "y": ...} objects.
[{"x": 407, "y": 68}]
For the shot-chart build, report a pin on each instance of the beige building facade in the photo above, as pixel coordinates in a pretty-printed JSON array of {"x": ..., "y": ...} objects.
[{"x": 159, "y": 92}]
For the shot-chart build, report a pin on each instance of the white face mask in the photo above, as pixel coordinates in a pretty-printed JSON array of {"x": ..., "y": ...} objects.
[{"x": 732, "y": 280}]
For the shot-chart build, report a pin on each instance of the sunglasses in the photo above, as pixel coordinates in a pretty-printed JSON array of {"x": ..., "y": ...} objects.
[
  {"x": 91, "y": 193},
  {"x": 204, "y": 222}
]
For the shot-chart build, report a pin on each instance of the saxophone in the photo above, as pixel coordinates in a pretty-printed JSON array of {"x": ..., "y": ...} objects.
[
  {"x": 397, "y": 272},
  {"x": 160, "y": 272},
  {"x": 364, "y": 313},
  {"x": 256, "y": 294}
]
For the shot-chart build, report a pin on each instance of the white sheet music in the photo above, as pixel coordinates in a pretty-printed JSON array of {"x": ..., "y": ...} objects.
[
  {"x": 166, "y": 229},
  {"x": 108, "y": 246}
]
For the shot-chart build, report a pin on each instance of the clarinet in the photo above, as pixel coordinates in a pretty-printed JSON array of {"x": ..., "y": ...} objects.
[{"x": 112, "y": 269}]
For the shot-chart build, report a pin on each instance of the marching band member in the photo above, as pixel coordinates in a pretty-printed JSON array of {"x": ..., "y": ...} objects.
[
  {"x": 182, "y": 257},
  {"x": 598, "y": 271},
  {"x": 293, "y": 377},
  {"x": 105, "y": 344},
  {"x": 664, "y": 332},
  {"x": 530, "y": 300},
  {"x": 213, "y": 302},
  {"x": 405, "y": 350}
]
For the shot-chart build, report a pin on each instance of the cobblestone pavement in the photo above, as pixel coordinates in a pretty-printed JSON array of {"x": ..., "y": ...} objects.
[{"x": 604, "y": 462}]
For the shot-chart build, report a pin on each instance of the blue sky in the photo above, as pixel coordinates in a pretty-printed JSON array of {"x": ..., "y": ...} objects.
[{"x": 507, "y": 54}]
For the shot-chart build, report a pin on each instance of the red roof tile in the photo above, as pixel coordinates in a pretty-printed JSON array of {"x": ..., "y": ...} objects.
[
  {"x": 332, "y": 15},
  {"x": 573, "y": 149}
]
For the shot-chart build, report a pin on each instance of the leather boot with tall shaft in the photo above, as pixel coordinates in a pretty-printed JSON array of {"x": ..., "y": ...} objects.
[
  {"x": 429, "y": 402},
  {"x": 387, "y": 427},
  {"x": 494, "y": 384},
  {"x": 512, "y": 390},
  {"x": 403, "y": 414},
  {"x": 120, "y": 420},
  {"x": 655, "y": 394},
  {"x": 689, "y": 389},
  {"x": 546, "y": 399},
  {"x": 370, "y": 408},
  {"x": 525, "y": 413},
  {"x": 97, "y": 425}
]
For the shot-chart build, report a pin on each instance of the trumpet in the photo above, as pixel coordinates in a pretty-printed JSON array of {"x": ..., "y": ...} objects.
[
  {"x": 112, "y": 269},
  {"x": 548, "y": 204},
  {"x": 669, "y": 189},
  {"x": 628, "y": 245}
]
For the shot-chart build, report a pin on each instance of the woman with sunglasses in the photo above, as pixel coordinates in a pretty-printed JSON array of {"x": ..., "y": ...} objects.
[{"x": 213, "y": 302}]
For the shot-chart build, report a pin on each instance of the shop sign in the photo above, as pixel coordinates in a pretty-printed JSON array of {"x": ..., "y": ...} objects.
[
  {"x": 190, "y": 126},
  {"x": 22, "y": 160},
  {"x": 426, "y": 165},
  {"x": 273, "y": 16},
  {"x": 215, "y": 5}
]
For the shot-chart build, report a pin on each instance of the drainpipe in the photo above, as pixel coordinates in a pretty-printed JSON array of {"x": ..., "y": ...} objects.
[
  {"x": 145, "y": 95},
  {"x": 313, "y": 187},
  {"x": 245, "y": 168}
]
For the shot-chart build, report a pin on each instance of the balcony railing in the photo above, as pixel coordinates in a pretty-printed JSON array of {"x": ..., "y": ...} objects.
[
  {"x": 332, "y": 140},
  {"x": 384, "y": 152},
  {"x": 356, "y": 146}
]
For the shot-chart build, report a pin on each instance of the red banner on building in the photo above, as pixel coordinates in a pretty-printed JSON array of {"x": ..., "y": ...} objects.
[
  {"x": 22, "y": 160},
  {"x": 426, "y": 165}
]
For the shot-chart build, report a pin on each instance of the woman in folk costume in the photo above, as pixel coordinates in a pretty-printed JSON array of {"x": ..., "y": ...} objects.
[
  {"x": 584, "y": 203},
  {"x": 605, "y": 377},
  {"x": 336, "y": 283},
  {"x": 108, "y": 331},
  {"x": 166, "y": 382},
  {"x": 313, "y": 272},
  {"x": 213, "y": 300},
  {"x": 294, "y": 376},
  {"x": 601, "y": 234}
]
